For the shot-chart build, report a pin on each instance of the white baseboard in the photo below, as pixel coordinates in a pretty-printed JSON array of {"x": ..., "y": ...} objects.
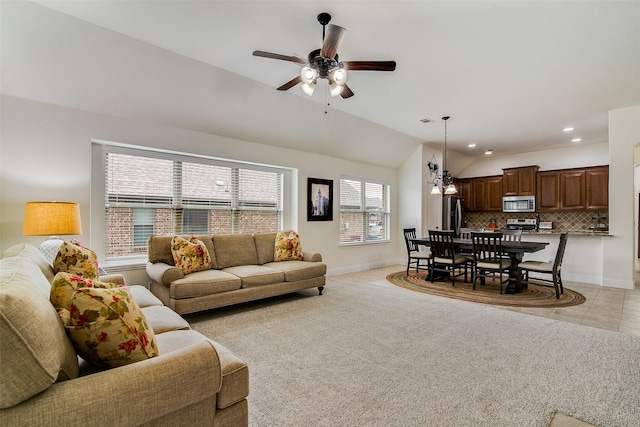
[{"x": 362, "y": 267}]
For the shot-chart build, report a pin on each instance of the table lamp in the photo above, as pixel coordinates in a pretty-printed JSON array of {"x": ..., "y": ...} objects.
[{"x": 51, "y": 219}]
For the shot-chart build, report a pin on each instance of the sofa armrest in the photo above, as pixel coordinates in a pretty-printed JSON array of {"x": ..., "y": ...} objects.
[
  {"x": 113, "y": 278},
  {"x": 139, "y": 392},
  {"x": 163, "y": 273},
  {"x": 311, "y": 256}
]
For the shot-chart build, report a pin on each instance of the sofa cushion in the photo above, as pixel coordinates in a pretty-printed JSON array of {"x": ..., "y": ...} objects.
[
  {"x": 190, "y": 255},
  {"x": 287, "y": 247},
  {"x": 264, "y": 246},
  {"x": 76, "y": 259},
  {"x": 104, "y": 323},
  {"x": 162, "y": 319},
  {"x": 143, "y": 296},
  {"x": 256, "y": 275},
  {"x": 204, "y": 283},
  {"x": 235, "y": 249},
  {"x": 32, "y": 253},
  {"x": 35, "y": 351},
  {"x": 159, "y": 249},
  {"x": 299, "y": 270},
  {"x": 235, "y": 373}
]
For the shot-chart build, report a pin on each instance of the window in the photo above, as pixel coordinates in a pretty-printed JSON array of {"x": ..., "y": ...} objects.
[
  {"x": 157, "y": 193},
  {"x": 364, "y": 211},
  {"x": 142, "y": 226}
]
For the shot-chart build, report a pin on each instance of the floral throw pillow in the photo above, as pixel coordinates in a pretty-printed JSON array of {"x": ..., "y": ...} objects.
[
  {"x": 76, "y": 259},
  {"x": 64, "y": 285},
  {"x": 190, "y": 254},
  {"x": 287, "y": 247},
  {"x": 104, "y": 323}
]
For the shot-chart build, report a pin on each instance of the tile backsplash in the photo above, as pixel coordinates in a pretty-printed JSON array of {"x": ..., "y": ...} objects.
[{"x": 562, "y": 221}]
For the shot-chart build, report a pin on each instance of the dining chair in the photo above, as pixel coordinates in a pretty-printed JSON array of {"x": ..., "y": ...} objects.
[
  {"x": 445, "y": 259},
  {"x": 512, "y": 235},
  {"x": 465, "y": 233},
  {"x": 415, "y": 257},
  {"x": 488, "y": 255},
  {"x": 554, "y": 268}
]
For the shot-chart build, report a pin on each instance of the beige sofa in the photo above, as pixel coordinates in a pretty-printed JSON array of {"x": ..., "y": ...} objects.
[
  {"x": 243, "y": 270},
  {"x": 193, "y": 381}
]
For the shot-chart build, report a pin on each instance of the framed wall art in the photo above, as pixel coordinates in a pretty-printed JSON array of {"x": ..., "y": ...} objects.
[{"x": 319, "y": 199}]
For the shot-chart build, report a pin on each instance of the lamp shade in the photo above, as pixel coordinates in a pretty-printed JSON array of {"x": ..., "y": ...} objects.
[{"x": 51, "y": 219}]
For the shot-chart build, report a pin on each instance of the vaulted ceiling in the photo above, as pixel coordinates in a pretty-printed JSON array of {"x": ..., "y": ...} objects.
[{"x": 511, "y": 75}]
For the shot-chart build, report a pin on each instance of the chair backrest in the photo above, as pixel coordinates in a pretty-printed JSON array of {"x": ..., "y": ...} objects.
[
  {"x": 487, "y": 246},
  {"x": 441, "y": 243},
  {"x": 512, "y": 235},
  {"x": 465, "y": 233},
  {"x": 557, "y": 263},
  {"x": 410, "y": 233}
]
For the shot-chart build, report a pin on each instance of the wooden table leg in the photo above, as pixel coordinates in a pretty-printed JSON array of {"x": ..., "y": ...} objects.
[{"x": 515, "y": 275}]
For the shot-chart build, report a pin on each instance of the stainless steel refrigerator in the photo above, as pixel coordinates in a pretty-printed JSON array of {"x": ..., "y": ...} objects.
[{"x": 452, "y": 213}]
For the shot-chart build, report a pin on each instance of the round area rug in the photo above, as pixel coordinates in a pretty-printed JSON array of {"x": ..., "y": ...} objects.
[{"x": 534, "y": 296}]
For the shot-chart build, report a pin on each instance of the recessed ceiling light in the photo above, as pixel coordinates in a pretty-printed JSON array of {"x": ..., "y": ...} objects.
[
  {"x": 567, "y": 129},
  {"x": 576, "y": 140},
  {"x": 472, "y": 145},
  {"x": 489, "y": 151}
]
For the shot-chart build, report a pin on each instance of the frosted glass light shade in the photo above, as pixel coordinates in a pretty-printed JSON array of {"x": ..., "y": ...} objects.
[{"x": 450, "y": 189}]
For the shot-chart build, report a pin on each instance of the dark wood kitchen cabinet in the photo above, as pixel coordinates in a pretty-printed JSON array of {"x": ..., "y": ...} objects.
[
  {"x": 548, "y": 194},
  {"x": 487, "y": 193},
  {"x": 597, "y": 188},
  {"x": 519, "y": 181},
  {"x": 494, "y": 193},
  {"x": 573, "y": 189},
  {"x": 465, "y": 191}
]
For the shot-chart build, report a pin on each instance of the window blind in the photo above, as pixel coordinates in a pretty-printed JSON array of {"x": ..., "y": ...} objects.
[
  {"x": 147, "y": 195},
  {"x": 364, "y": 211}
]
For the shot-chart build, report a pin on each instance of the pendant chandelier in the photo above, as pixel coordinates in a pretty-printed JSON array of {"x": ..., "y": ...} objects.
[{"x": 447, "y": 179}]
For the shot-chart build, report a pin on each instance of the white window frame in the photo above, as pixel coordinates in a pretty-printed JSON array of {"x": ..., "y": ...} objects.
[
  {"x": 366, "y": 212},
  {"x": 99, "y": 149}
]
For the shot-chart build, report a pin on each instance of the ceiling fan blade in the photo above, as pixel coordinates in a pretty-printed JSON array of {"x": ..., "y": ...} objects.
[
  {"x": 264, "y": 54},
  {"x": 335, "y": 34},
  {"x": 291, "y": 83},
  {"x": 370, "y": 65},
  {"x": 346, "y": 92}
]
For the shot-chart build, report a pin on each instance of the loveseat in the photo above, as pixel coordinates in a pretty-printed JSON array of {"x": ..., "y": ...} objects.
[
  {"x": 192, "y": 381},
  {"x": 243, "y": 269}
]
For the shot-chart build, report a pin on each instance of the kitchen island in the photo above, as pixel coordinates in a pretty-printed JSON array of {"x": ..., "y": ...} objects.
[{"x": 583, "y": 257}]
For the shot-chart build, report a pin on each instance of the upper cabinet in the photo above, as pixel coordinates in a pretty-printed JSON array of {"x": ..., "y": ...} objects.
[
  {"x": 465, "y": 190},
  {"x": 487, "y": 193},
  {"x": 597, "y": 188},
  {"x": 573, "y": 189},
  {"x": 519, "y": 181},
  {"x": 548, "y": 197},
  {"x": 558, "y": 190}
]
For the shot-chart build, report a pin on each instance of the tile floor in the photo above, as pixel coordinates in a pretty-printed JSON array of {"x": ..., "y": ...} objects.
[{"x": 605, "y": 308}]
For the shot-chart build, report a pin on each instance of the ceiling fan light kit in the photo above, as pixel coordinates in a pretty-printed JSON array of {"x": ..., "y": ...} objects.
[{"x": 323, "y": 63}]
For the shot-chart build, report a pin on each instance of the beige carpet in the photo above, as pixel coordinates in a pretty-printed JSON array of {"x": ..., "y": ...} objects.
[{"x": 367, "y": 353}]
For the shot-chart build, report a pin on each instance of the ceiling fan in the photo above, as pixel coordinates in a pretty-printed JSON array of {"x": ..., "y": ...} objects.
[{"x": 324, "y": 63}]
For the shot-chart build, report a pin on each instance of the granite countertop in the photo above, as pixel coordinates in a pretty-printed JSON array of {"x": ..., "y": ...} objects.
[{"x": 581, "y": 232}]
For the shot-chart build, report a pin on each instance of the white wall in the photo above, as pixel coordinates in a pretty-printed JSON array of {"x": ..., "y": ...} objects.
[
  {"x": 619, "y": 252},
  {"x": 46, "y": 151},
  {"x": 562, "y": 158},
  {"x": 410, "y": 195}
]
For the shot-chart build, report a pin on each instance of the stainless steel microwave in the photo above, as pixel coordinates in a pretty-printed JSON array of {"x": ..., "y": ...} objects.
[{"x": 519, "y": 204}]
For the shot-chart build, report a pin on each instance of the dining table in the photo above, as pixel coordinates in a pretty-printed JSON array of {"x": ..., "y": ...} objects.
[{"x": 514, "y": 249}]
